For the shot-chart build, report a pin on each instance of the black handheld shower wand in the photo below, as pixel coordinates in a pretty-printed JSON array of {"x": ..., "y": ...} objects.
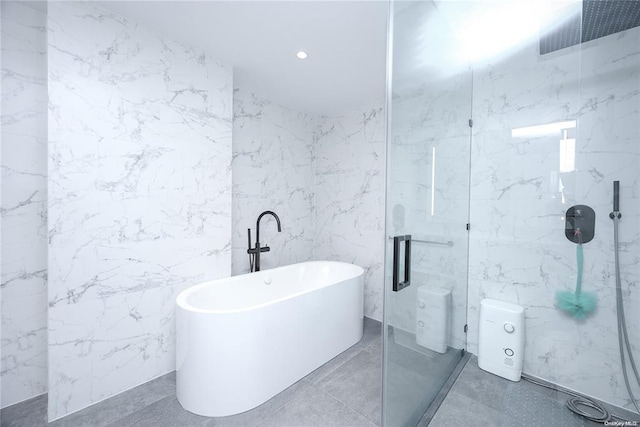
[{"x": 616, "y": 201}]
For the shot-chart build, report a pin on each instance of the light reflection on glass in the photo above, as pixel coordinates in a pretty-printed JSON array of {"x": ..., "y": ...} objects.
[
  {"x": 567, "y": 149},
  {"x": 567, "y": 152},
  {"x": 487, "y": 30},
  {"x": 433, "y": 180},
  {"x": 541, "y": 130}
]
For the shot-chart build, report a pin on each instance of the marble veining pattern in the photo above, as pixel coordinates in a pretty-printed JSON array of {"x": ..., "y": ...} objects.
[
  {"x": 324, "y": 178},
  {"x": 349, "y": 207},
  {"x": 428, "y": 193},
  {"x": 273, "y": 164},
  {"x": 429, "y": 154},
  {"x": 139, "y": 205},
  {"x": 24, "y": 199},
  {"x": 522, "y": 186}
]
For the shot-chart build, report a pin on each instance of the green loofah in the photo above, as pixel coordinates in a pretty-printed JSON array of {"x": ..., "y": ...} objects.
[{"x": 578, "y": 304}]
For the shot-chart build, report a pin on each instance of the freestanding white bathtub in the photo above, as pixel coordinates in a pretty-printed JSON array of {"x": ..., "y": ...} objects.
[{"x": 242, "y": 340}]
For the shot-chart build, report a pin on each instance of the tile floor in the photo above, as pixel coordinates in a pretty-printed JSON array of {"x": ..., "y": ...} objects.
[
  {"x": 479, "y": 398},
  {"x": 346, "y": 391},
  {"x": 415, "y": 376}
]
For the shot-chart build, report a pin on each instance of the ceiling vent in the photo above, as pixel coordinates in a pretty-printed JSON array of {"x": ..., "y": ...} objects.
[{"x": 599, "y": 18}]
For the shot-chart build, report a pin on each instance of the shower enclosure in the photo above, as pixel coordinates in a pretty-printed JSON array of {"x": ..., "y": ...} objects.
[{"x": 502, "y": 115}]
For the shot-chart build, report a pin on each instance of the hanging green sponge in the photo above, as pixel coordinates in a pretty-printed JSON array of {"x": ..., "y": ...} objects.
[{"x": 578, "y": 304}]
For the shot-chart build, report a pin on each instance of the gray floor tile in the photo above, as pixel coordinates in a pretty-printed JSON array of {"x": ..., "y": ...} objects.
[
  {"x": 30, "y": 413},
  {"x": 154, "y": 403},
  {"x": 314, "y": 408},
  {"x": 372, "y": 330},
  {"x": 424, "y": 362},
  {"x": 110, "y": 410},
  {"x": 493, "y": 400},
  {"x": 492, "y": 390},
  {"x": 523, "y": 406},
  {"x": 358, "y": 383},
  {"x": 164, "y": 413},
  {"x": 458, "y": 409},
  {"x": 409, "y": 395},
  {"x": 326, "y": 369},
  {"x": 481, "y": 386},
  {"x": 414, "y": 377},
  {"x": 256, "y": 416},
  {"x": 375, "y": 345},
  {"x": 344, "y": 392},
  {"x": 371, "y": 334}
]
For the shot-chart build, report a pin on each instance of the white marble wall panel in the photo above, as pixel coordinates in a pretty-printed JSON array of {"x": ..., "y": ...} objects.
[
  {"x": 0, "y": 200},
  {"x": 323, "y": 176},
  {"x": 518, "y": 252},
  {"x": 349, "y": 207},
  {"x": 430, "y": 128},
  {"x": 139, "y": 197},
  {"x": 23, "y": 206},
  {"x": 429, "y": 154},
  {"x": 273, "y": 164}
]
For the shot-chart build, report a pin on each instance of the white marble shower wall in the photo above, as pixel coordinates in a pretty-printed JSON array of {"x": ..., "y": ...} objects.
[
  {"x": 24, "y": 199},
  {"x": 428, "y": 192},
  {"x": 429, "y": 153},
  {"x": 273, "y": 160},
  {"x": 139, "y": 197},
  {"x": 523, "y": 185},
  {"x": 349, "y": 200}
]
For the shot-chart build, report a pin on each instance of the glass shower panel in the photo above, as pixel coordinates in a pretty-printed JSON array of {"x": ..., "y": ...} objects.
[
  {"x": 556, "y": 121},
  {"x": 554, "y": 87},
  {"x": 607, "y": 149},
  {"x": 428, "y": 155},
  {"x": 524, "y": 162}
]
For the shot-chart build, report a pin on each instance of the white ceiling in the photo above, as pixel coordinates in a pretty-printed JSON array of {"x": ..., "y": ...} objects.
[{"x": 345, "y": 40}]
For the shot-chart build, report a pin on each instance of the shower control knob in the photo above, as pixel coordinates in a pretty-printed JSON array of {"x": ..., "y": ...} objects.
[
  {"x": 509, "y": 328},
  {"x": 421, "y": 323}
]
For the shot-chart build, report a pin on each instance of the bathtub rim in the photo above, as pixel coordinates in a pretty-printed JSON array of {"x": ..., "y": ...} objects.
[{"x": 183, "y": 296}]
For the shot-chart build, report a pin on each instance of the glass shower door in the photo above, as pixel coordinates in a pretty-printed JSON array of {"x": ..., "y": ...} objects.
[{"x": 427, "y": 211}]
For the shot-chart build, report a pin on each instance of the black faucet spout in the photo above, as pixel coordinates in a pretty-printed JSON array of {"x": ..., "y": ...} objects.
[
  {"x": 258, "y": 223},
  {"x": 257, "y": 250}
]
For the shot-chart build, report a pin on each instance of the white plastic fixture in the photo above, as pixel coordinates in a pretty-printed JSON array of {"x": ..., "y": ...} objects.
[
  {"x": 501, "y": 339},
  {"x": 244, "y": 339},
  {"x": 302, "y": 55},
  {"x": 433, "y": 318}
]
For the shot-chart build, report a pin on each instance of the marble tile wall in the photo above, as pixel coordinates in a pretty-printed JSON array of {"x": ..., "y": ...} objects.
[
  {"x": 23, "y": 213},
  {"x": 324, "y": 178},
  {"x": 273, "y": 164},
  {"x": 349, "y": 201},
  {"x": 428, "y": 193},
  {"x": 522, "y": 187},
  {"x": 0, "y": 202},
  {"x": 429, "y": 154},
  {"x": 139, "y": 197}
]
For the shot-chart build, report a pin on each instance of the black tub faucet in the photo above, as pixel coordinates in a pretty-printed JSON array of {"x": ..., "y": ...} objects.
[{"x": 254, "y": 253}]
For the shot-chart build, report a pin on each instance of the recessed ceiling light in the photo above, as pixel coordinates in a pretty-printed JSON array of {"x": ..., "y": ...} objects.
[{"x": 302, "y": 55}]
